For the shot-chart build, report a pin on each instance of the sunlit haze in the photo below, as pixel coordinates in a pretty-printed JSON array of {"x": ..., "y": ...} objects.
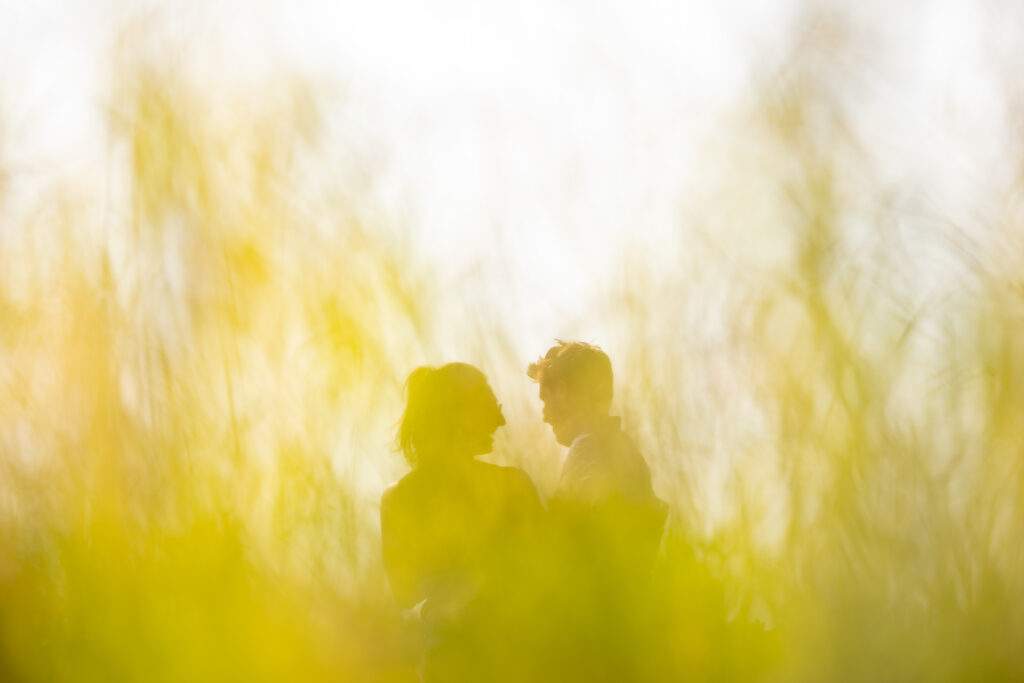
[{"x": 545, "y": 340}]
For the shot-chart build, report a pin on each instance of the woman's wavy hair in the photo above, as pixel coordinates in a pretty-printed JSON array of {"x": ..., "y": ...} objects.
[{"x": 438, "y": 399}]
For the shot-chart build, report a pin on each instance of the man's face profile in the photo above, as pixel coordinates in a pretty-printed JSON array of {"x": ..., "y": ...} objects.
[{"x": 557, "y": 410}]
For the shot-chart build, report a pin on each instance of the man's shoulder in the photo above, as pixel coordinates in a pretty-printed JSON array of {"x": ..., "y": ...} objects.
[
  {"x": 584, "y": 443},
  {"x": 605, "y": 462},
  {"x": 607, "y": 438}
]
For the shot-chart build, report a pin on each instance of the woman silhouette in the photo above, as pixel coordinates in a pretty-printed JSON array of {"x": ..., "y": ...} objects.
[{"x": 453, "y": 529}]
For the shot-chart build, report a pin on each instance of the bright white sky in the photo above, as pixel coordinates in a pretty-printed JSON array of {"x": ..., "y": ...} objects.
[
  {"x": 531, "y": 138},
  {"x": 528, "y": 143}
]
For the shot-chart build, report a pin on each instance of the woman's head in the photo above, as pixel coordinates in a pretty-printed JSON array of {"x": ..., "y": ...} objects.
[{"x": 450, "y": 413}]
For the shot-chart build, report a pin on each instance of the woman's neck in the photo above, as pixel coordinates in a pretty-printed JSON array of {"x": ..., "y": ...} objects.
[{"x": 447, "y": 466}]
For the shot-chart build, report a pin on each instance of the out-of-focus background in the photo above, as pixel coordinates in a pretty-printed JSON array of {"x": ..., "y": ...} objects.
[{"x": 227, "y": 233}]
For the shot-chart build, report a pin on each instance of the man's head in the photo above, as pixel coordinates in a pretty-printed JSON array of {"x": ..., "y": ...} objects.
[{"x": 575, "y": 381}]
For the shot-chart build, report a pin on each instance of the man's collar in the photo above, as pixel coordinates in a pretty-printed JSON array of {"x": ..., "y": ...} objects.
[{"x": 603, "y": 425}]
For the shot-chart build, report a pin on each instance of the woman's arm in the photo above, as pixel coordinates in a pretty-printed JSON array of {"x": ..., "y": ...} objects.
[{"x": 399, "y": 561}]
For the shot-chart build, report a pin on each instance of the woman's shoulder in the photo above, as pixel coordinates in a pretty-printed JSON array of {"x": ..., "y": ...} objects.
[
  {"x": 400, "y": 490},
  {"x": 510, "y": 482},
  {"x": 502, "y": 473}
]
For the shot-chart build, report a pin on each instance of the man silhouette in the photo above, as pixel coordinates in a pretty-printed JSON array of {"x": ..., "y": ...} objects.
[
  {"x": 603, "y": 465},
  {"x": 606, "y": 521}
]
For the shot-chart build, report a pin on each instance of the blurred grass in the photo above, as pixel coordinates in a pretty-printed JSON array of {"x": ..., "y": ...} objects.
[
  {"x": 840, "y": 451},
  {"x": 182, "y": 500},
  {"x": 201, "y": 376}
]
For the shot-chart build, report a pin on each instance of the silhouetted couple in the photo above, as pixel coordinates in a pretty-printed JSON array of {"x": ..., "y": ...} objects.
[{"x": 505, "y": 589}]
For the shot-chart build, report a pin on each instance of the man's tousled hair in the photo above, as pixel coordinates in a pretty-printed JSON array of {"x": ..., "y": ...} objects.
[{"x": 584, "y": 369}]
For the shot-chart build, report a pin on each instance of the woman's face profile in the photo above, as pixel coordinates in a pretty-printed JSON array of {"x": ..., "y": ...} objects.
[
  {"x": 452, "y": 414},
  {"x": 481, "y": 418}
]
